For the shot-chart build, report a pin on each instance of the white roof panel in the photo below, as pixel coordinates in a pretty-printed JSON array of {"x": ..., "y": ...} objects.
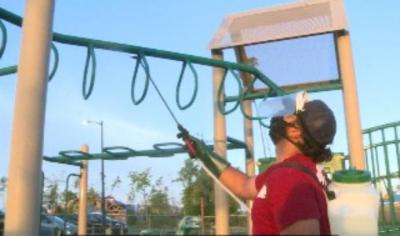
[{"x": 281, "y": 22}]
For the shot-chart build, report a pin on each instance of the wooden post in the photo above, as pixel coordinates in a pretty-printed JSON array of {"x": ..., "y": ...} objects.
[
  {"x": 221, "y": 201},
  {"x": 23, "y": 197},
  {"x": 248, "y": 130},
  {"x": 82, "y": 216},
  {"x": 350, "y": 97}
]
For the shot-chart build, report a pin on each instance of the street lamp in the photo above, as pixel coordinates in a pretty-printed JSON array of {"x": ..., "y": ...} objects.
[
  {"x": 103, "y": 210},
  {"x": 66, "y": 198}
]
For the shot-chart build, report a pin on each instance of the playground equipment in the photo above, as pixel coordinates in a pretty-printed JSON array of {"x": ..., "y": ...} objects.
[
  {"x": 382, "y": 152},
  {"x": 238, "y": 32},
  {"x": 250, "y": 34},
  {"x": 29, "y": 134}
]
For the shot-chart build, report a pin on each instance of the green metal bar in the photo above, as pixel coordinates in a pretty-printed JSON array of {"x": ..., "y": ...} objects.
[
  {"x": 390, "y": 188},
  {"x": 8, "y": 70},
  {"x": 110, "y": 153},
  {"x": 396, "y": 137},
  {"x": 377, "y": 162},
  {"x": 262, "y": 93},
  {"x": 392, "y": 175},
  {"x": 379, "y": 127},
  {"x": 382, "y": 144},
  {"x": 68, "y": 162},
  {"x": 372, "y": 156},
  {"x": 86, "y": 42}
]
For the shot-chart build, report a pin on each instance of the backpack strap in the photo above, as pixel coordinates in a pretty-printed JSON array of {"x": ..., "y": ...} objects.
[{"x": 330, "y": 194}]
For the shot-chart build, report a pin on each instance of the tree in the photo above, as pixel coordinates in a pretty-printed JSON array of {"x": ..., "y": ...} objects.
[
  {"x": 197, "y": 184},
  {"x": 158, "y": 199},
  {"x": 93, "y": 196},
  {"x": 154, "y": 203},
  {"x": 51, "y": 196},
  {"x": 72, "y": 201},
  {"x": 139, "y": 184}
]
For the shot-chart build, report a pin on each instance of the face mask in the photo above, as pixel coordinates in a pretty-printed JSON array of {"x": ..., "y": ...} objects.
[{"x": 277, "y": 129}]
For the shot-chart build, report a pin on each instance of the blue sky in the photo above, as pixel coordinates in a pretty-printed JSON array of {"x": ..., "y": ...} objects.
[{"x": 187, "y": 27}]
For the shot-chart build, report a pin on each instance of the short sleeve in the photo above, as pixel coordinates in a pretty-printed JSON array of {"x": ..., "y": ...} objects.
[{"x": 292, "y": 197}]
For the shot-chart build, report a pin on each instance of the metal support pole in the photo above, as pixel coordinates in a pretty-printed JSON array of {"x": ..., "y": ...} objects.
[
  {"x": 350, "y": 97},
  {"x": 248, "y": 130},
  {"x": 66, "y": 198},
  {"x": 103, "y": 207},
  {"x": 83, "y": 185},
  {"x": 221, "y": 201},
  {"x": 23, "y": 215}
]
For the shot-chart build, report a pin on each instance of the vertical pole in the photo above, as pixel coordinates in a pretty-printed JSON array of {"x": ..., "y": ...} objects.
[
  {"x": 248, "y": 129},
  {"x": 350, "y": 97},
  {"x": 103, "y": 207},
  {"x": 221, "y": 201},
  {"x": 66, "y": 198},
  {"x": 23, "y": 215},
  {"x": 82, "y": 217}
]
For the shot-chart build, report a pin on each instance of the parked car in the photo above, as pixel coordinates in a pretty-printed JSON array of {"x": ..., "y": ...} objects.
[
  {"x": 59, "y": 224},
  {"x": 95, "y": 224}
]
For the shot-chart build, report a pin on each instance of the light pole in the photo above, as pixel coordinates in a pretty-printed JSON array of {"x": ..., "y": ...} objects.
[
  {"x": 66, "y": 198},
  {"x": 103, "y": 210}
]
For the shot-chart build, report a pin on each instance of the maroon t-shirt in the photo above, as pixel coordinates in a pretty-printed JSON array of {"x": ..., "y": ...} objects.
[{"x": 287, "y": 195}]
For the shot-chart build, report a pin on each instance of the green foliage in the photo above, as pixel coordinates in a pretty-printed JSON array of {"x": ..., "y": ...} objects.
[
  {"x": 158, "y": 199},
  {"x": 72, "y": 201},
  {"x": 51, "y": 194},
  {"x": 139, "y": 182},
  {"x": 197, "y": 184},
  {"x": 93, "y": 196}
]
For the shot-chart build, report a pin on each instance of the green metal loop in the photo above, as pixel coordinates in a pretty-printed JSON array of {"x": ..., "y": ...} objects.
[
  {"x": 56, "y": 60},
  {"x": 221, "y": 104},
  {"x": 158, "y": 146},
  {"x": 3, "y": 37},
  {"x": 75, "y": 154},
  {"x": 140, "y": 61},
  {"x": 165, "y": 152},
  {"x": 178, "y": 87},
  {"x": 260, "y": 119},
  {"x": 120, "y": 155},
  {"x": 91, "y": 57},
  {"x": 161, "y": 154}
]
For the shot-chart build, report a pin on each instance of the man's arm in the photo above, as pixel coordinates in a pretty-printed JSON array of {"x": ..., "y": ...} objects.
[
  {"x": 303, "y": 227},
  {"x": 239, "y": 183}
]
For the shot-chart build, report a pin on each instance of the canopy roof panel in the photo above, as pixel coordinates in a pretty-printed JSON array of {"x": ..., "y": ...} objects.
[{"x": 298, "y": 19}]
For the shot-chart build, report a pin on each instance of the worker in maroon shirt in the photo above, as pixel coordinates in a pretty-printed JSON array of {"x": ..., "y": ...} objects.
[{"x": 288, "y": 198}]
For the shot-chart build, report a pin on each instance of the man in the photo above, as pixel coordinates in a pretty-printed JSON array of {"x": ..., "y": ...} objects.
[{"x": 288, "y": 199}]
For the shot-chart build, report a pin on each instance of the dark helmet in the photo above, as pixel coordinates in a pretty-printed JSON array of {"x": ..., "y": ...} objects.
[
  {"x": 318, "y": 125},
  {"x": 318, "y": 122}
]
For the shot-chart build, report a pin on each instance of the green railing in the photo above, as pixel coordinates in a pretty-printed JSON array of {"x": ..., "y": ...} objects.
[{"x": 382, "y": 152}]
